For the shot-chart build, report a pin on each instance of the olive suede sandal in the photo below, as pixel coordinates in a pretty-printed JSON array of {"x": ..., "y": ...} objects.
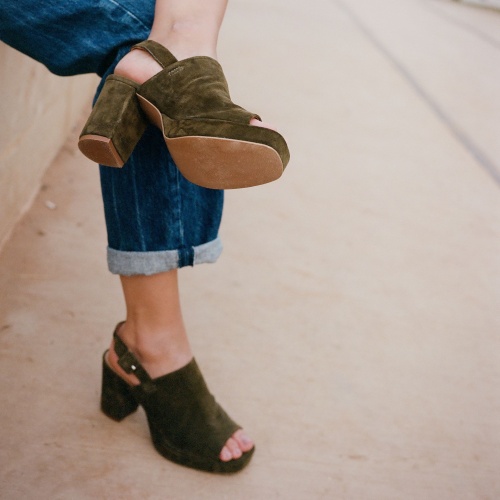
[
  {"x": 209, "y": 137},
  {"x": 187, "y": 425}
]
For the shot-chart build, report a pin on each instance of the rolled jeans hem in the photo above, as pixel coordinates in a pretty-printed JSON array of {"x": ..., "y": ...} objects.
[{"x": 147, "y": 263}]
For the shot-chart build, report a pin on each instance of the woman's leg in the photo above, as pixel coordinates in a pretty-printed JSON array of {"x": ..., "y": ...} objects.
[{"x": 157, "y": 221}]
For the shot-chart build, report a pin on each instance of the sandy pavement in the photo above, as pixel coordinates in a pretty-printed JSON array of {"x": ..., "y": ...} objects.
[{"x": 353, "y": 322}]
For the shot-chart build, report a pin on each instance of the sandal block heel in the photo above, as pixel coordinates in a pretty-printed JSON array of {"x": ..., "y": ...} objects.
[
  {"x": 117, "y": 401},
  {"x": 115, "y": 125}
]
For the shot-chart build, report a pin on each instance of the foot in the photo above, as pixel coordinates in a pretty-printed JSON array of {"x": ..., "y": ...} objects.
[
  {"x": 139, "y": 67},
  {"x": 158, "y": 362}
]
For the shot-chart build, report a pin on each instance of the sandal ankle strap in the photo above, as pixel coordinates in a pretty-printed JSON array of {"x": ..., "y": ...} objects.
[
  {"x": 130, "y": 364},
  {"x": 157, "y": 51}
]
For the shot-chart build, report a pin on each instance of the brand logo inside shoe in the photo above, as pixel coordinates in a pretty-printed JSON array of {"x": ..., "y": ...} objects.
[{"x": 176, "y": 70}]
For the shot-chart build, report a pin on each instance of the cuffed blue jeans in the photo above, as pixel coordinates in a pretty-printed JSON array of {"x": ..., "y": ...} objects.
[{"x": 156, "y": 220}]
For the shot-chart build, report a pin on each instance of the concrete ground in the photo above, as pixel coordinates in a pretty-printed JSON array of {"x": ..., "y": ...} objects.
[{"x": 352, "y": 324}]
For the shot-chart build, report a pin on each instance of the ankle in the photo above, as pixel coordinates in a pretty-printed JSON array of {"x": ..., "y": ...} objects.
[
  {"x": 137, "y": 66},
  {"x": 159, "y": 350},
  {"x": 188, "y": 39}
]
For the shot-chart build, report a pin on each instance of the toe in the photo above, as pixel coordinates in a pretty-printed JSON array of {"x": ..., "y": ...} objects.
[
  {"x": 244, "y": 442},
  {"x": 234, "y": 448},
  {"x": 225, "y": 454}
]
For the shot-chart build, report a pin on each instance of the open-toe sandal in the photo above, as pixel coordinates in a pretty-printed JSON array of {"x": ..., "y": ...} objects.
[
  {"x": 187, "y": 425},
  {"x": 209, "y": 137}
]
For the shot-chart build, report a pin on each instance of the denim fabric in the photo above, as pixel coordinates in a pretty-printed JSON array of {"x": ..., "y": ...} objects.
[
  {"x": 156, "y": 220},
  {"x": 74, "y": 36}
]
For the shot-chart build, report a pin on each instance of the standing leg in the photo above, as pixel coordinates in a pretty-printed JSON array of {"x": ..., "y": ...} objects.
[{"x": 154, "y": 331}]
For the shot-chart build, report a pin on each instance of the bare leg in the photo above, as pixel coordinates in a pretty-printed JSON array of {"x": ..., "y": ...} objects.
[
  {"x": 187, "y": 28},
  {"x": 154, "y": 331}
]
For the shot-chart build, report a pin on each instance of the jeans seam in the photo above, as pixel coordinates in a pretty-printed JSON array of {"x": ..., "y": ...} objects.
[
  {"x": 179, "y": 207},
  {"x": 130, "y": 14},
  {"x": 115, "y": 209},
  {"x": 137, "y": 214}
]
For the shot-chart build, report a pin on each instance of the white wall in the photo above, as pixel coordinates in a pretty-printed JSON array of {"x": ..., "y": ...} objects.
[{"x": 37, "y": 112}]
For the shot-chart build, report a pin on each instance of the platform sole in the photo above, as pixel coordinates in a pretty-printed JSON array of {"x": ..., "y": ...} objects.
[{"x": 218, "y": 163}]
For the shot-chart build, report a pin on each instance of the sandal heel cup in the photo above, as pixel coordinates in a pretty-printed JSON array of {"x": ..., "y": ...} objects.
[
  {"x": 115, "y": 125},
  {"x": 117, "y": 402}
]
